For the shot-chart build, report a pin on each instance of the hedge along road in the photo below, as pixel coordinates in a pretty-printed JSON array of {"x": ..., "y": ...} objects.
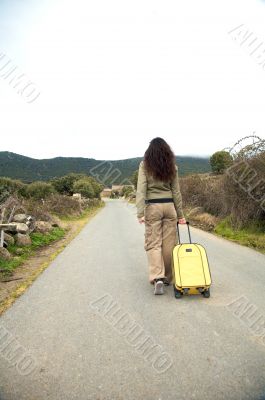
[{"x": 90, "y": 327}]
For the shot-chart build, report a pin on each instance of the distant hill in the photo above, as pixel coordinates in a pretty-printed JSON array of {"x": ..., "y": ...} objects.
[{"x": 108, "y": 172}]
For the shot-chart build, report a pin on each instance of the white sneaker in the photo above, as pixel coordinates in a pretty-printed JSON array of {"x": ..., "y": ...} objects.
[{"x": 159, "y": 287}]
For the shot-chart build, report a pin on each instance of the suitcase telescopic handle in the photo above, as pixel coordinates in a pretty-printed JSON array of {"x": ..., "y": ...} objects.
[{"x": 188, "y": 226}]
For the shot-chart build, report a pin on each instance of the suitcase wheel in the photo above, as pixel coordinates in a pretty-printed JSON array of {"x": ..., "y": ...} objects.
[
  {"x": 206, "y": 293},
  {"x": 177, "y": 293}
]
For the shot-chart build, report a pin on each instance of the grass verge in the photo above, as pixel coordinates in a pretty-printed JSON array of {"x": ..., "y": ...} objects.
[
  {"x": 252, "y": 236},
  {"x": 38, "y": 240}
]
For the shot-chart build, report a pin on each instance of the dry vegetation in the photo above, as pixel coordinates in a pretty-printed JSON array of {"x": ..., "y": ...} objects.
[
  {"x": 39, "y": 212},
  {"x": 230, "y": 203},
  {"x": 236, "y": 194}
]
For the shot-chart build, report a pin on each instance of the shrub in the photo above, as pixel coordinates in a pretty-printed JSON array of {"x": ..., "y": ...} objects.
[
  {"x": 9, "y": 187},
  {"x": 58, "y": 204},
  {"x": 37, "y": 190},
  {"x": 238, "y": 194},
  {"x": 38, "y": 209},
  {"x": 84, "y": 187},
  {"x": 63, "y": 205},
  {"x": 64, "y": 184},
  {"x": 126, "y": 191},
  {"x": 67, "y": 184},
  {"x": 193, "y": 190},
  {"x": 244, "y": 186}
]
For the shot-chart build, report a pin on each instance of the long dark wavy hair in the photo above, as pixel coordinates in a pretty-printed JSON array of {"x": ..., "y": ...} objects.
[{"x": 160, "y": 161}]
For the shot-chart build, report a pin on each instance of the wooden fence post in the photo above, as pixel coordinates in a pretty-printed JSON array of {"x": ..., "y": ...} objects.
[{"x": 2, "y": 230}]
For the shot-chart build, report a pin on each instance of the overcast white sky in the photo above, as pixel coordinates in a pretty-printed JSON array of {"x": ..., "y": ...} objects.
[{"x": 114, "y": 74}]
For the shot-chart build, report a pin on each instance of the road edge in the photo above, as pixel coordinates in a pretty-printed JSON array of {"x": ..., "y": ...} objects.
[{"x": 22, "y": 287}]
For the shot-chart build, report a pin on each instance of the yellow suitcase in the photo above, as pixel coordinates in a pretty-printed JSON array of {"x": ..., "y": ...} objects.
[{"x": 190, "y": 268}]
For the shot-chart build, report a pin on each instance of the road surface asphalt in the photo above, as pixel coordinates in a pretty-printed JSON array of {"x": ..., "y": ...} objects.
[{"x": 90, "y": 327}]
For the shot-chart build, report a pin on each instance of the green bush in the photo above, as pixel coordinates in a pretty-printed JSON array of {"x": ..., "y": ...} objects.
[
  {"x": 126, "y": 190},
  {"x": 67, "y": 184},
  {"x": 9, "y": 187},
  {"x": 84, "y": 187},
  {"x": 37, "y": 190}
]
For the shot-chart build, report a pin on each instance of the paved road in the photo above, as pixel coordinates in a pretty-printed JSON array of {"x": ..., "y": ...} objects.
[{"x": 80, "y": 319}]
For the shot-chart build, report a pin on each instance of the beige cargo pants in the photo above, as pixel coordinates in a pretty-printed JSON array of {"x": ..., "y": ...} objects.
[{"x": 160, "y": 238}]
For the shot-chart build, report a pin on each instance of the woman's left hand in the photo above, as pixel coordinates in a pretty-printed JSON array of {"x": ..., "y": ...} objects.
[
  {"x": 141, "y": 220},
  {"x": 182, "y": 221}
]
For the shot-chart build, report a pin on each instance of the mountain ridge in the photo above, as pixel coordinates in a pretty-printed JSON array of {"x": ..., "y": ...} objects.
[{"x": 28, "y": 169}]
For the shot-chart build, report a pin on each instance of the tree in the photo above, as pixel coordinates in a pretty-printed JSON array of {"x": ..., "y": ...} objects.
[
  {"x": 134, "y": 178},
  {"x": 97, "y": 187},
  {"x": 65, "y": 184},
  {"x": 220, "y": 161},
  {"x": 84, "y": 187}
]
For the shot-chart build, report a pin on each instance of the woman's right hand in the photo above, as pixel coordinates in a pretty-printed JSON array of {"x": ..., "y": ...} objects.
[{"x": 182, "y": 221}]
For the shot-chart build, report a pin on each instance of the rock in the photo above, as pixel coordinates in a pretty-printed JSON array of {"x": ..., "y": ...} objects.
[
  {"x": 19, "y": 251},
  {"x": 30, "y": 220},
  {"x": 8, "y": 239},
  {"x": 31, "y": 224},
  {"x": 22, "y": 240},
  {"x": 20, "y": 218},
  {"x": 22, "y": 228},
  {"x": 19, "y": 227},
  {"x": 4, "y": 254},
  {"x": 43, "y": 226},
  {"x": 56, "y": 222},
  {"x": 77, "y": 196}
]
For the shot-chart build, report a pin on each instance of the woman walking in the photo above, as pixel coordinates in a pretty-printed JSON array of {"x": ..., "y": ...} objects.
[{"x": 159, "y": 206}]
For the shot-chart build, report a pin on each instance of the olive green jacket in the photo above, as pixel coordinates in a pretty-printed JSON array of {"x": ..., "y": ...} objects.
[{"x": 149, "y": 188}]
